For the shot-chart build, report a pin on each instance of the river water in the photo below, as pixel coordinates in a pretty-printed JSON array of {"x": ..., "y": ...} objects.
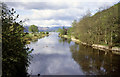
[{"x": 53, "y": 55}]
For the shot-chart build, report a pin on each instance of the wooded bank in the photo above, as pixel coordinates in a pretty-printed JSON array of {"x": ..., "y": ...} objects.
[{"x": 115, "y": 50}]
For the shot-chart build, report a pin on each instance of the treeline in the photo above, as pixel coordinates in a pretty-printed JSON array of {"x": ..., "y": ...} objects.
[
  {"x": 101, "y": 28},
  {"x": 62, "y": 31},
  {"x": 34, "y": 29},
  {"x": 34, "y": 34},
  {"x": 32, "y": 37},
  {"x": 15, "y": 54}
]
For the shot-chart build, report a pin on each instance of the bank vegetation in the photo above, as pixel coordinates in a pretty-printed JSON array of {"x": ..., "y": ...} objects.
[{"x": 100, "y": 29}]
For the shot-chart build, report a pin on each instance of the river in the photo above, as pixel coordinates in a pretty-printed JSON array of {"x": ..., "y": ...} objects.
[{"x": 53, "y": 55}]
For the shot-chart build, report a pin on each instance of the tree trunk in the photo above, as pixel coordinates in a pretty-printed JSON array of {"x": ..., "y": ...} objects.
[
  {"x": 106, "y": 37},
  {"x": 111, "y": 39}
]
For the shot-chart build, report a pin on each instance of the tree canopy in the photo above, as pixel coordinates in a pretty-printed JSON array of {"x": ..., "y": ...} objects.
[
  {"x": 15, "y": 54},
  {"x": 101, "y": 28},
  {"x": 33, "y": 28}
]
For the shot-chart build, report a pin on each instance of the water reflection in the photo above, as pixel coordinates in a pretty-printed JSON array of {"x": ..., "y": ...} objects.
[
  {"x": 35, "y": 40},
  {"x": 94, "y": 61},
  {"x": 53, "y": 55},
  {"x": 63, "y": 40},
  {"x": 50, "y": 57}
]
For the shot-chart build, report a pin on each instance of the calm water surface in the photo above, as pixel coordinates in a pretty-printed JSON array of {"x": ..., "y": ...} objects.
[{"x": 53, "y": 55}]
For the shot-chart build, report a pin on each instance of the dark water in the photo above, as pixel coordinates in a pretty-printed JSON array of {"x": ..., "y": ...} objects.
[{"x": 53, "y": 55}]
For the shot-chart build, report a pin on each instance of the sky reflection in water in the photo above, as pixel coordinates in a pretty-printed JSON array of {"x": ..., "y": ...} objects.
[
  {"x": 50, "y": 57},
  {"x": 57, "y": 56}
]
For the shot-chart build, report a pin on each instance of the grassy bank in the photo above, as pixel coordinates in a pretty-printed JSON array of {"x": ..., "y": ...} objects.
[
  {"x": 34, "y": 36},
  {"x": 115, "y": 50}
]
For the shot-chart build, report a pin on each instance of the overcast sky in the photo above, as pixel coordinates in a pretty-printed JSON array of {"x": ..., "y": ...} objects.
[{"x": 55, "y": 12}]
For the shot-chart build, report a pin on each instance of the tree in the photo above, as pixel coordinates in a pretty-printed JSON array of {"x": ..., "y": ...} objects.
[
  {"x": 33, "y": 28},
  {"x": 101, "y": 28},
  {"x": 15, "y": 54},
  {"x": 62, "y": 31},
  {"x": 74, "y": 23},
  {"x": 47, "y": 32}
]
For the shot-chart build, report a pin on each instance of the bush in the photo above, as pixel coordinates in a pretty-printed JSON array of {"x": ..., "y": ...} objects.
[
  {"x": 15, "y": 55},
  {"x": 47, "y": 32}
]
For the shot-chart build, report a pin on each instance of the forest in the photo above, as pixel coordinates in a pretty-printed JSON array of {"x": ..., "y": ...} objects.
[{"x": 101, "y": 28}]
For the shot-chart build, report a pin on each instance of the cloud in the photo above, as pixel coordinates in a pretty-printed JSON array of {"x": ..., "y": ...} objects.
[
  {"x": 56, "y": 12},
  {"x": 39, "y": 5},
  {"x": 25, "y": 1},
  {"x": 55, "y": 5},
  {"x": 46, "y": 23},
  {"x": 45, "y": 5},
  {"x": 62, "y": 14}
]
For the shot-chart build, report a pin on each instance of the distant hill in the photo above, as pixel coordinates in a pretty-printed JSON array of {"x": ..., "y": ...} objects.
[
  {"x": 56, "y": 28},
  {"x": 44, "y": 29}
]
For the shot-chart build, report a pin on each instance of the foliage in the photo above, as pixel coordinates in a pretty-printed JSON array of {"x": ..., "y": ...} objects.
[
  {"x": 33, "y": 36},
  {"x": 43, "y": 32},
  {"x": 69, "y": 31},
  {"x": 101, "y": 28},
  {"x": 47, "y": 32},
  {"x": 33, "y": 28},
  {"x": 15, "y": 55},
  {"x": 62, "y": 31}
]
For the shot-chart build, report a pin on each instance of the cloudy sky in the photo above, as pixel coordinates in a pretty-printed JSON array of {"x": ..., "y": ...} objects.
[{"x": 55, "y": 12}]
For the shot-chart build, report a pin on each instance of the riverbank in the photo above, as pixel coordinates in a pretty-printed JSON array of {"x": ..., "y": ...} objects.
[
  {"x": 114, "y": 50},
  {"x": 34, "y": 36}
]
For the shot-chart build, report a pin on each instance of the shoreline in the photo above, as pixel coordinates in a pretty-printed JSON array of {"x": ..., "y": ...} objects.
[
  {"x": 115, "y": 50},
  {"x": 34, "y": 37}
]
